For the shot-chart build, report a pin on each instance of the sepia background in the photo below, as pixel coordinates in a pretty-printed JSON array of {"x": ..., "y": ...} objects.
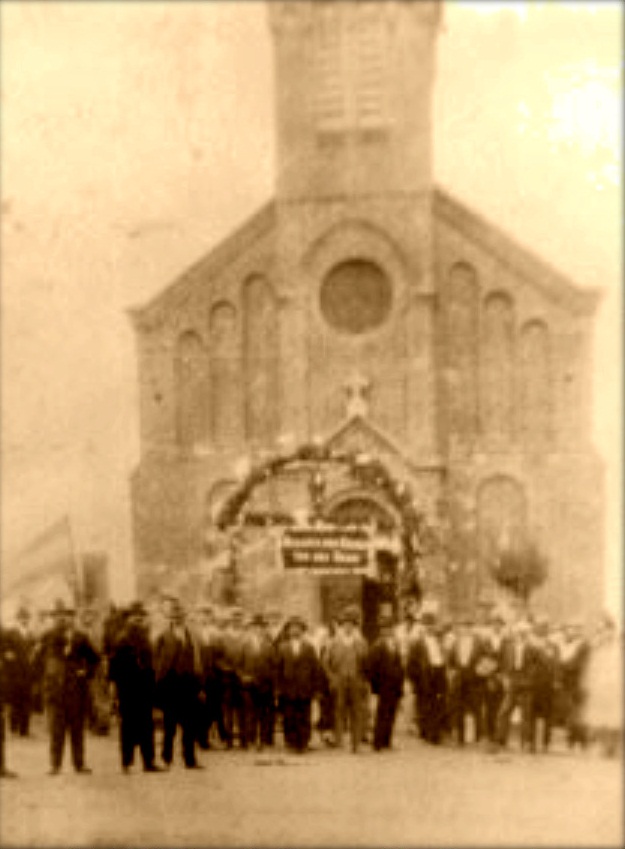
[{"x": 135, "y": 136}]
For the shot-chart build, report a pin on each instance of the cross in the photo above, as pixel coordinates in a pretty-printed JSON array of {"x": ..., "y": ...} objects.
[{"x": 356, "y": 389}]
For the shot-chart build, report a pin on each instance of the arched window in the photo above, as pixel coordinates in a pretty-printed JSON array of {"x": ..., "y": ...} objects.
[
  {"x": 225, "y": 387},
  {"x": 191, "y": 389},
  {"x": 260, "y": 359},
  {"x": 460, "y": 306},
  {"x": 535, "y": 384},
  {"x": 501, "y": 517},
  {"x": 497, "y": 368}
]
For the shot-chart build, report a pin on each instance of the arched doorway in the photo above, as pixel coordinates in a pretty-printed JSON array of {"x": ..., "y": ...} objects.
[
  {"x": 358, "y": 506},
  {"x": 375, "y": 593}
]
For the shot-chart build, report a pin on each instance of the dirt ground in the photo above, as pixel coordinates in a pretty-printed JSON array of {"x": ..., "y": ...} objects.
[{"x": 415, "y": 795}]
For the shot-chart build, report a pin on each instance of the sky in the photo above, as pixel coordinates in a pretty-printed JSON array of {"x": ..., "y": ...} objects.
[{"x": 136, "y": 135}]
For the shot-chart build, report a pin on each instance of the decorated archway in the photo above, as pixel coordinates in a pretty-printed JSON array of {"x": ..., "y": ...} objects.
[{"x": 398, "y": 514}]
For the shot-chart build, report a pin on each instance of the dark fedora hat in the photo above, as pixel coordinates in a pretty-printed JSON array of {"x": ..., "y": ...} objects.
[
  {"x": 296, "y": 621},
  {"x": 136, "y": 608},
  {"x": 23, "y": 613},
  {"x": 62, "y": 609}
]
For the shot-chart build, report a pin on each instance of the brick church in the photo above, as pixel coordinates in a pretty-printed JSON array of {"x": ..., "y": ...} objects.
[{"x": 366, "y": 310}]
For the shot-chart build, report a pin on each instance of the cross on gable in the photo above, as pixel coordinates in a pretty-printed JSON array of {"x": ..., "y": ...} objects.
[{"x": 357, "y": 390}]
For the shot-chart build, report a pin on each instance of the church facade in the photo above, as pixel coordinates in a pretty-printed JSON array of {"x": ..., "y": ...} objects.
[{"x": 365, "y": 309}]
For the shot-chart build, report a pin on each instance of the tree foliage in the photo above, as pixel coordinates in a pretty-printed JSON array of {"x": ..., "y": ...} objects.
[{"x": 521, "y": 570}]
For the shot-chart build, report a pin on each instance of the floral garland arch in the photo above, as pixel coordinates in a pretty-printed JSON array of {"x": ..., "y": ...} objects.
[{"x": 417, "y": 537}]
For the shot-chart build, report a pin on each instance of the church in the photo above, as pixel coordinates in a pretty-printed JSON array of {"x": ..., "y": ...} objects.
[{"x": 365, "y": 317}]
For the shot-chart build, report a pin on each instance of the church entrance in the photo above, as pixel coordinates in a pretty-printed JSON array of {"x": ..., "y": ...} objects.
[
  {"x": 366, "y": 594},
  {"x": 344, "y": 531},
  {"x": 377, "y": 592}
]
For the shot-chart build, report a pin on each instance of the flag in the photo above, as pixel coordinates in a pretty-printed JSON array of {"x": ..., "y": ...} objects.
[{"x": 46, "y": 566}]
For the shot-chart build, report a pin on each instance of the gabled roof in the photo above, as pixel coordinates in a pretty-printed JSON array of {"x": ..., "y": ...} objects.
[
  {"x": 256, "y": 226},
  {"x": 447, "y": 209},
  {"x": 552, "y": 283},
  {"x": 359, "y": 434}
]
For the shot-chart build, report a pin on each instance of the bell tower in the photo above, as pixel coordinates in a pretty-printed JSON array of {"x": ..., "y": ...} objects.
[
  {"x": 354, "y": 268},
  {"x": 354, "y": 82}
]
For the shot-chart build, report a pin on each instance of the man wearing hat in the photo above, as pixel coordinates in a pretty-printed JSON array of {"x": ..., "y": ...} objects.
[
  {"x": 21, "y": 672},
  {"x": 543, "y": 675},
  {"x": 131, "y": 670},
  {"x": 69, "y": 661},
  {"x": 386, "y": 674},
  {"x": 464, "y": 656},
  {"x": 518, "y": 661},
  {"x": 573, "y": 660},
  {"x": 234, "y": 637},
  {"x": 298, "y": 676},
  {"x": 210, "y": 632},
  {"x": 345, "y": 666},
  {"x": 40, "y": 626},
  {"x": 490, "y": 670},
  {"x": 409, "y": 630},
  {"x": 7, "y": 656},
  {"x": 427, "y": 671},
  {"x": 258, "y": 671},
  {"x": 100, "y": 705},
  {"x": 177, "y": 670}
]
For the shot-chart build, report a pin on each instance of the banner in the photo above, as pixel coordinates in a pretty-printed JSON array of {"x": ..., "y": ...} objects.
[
  {"x": 45, "y": 567},
  {"x": 326, "y": 549}
]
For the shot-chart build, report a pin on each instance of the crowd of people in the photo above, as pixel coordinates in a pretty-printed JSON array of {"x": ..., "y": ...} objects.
[{"x": 228, "y": 679}]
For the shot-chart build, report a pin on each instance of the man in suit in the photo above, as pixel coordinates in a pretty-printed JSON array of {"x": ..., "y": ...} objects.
[
  {"x": 177, "y": 667},
  {"x": 22, "y": 673},
  {"x": 465, "y": 653},
  {"x": 258, "y": 670},
  {"x": 345, "y": 667},
  {"x": 325, "y": 724},
  {"x": 131, "y": 670},
  {"x": 572, "y": 661},
  {"x": 407, "y": 632},
  {"x": 211, "y": 650},
  {"x": 427, "y": 671},
  {"x": 385, "y": 670},
  {"x": 69, "y": 662},
  {"x": 112, "y": 626},
  {"x": 100, "y": 702},
  {"x": 40, "y": 626},
  {"x": 233, "y": 639},
  {"x": 7, "y": 655},
  {"x": 490, "y": 669},
  {"x": 543, "y": 674},
  {"x": 297, "y": 680},
  {"x": 277, "y": 630},
  {"x": 518, "y": 662}
]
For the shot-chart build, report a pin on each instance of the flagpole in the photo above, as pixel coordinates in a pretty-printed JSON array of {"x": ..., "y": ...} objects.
[{"x": 76, "y": 571}]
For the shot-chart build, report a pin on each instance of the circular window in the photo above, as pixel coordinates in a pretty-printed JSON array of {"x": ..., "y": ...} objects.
[{"x": 356, "y": 296}]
